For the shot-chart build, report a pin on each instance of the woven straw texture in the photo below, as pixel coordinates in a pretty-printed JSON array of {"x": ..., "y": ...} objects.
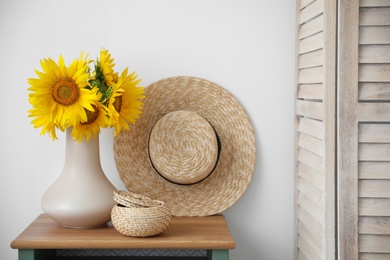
[
  {"x": 183, "y": 147},
  {"x": 234, "y": 167},
  {"x": 138, "y": 216}
]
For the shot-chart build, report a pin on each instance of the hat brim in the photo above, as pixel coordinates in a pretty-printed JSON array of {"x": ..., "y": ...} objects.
[{"x": 236, "y": 163}]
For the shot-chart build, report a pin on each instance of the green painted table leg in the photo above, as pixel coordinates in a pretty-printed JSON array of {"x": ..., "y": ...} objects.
[
  {"x": 220, "y": 254},
  {"x": 26, "y": 254},
  {"x": 37, "y": 254}
]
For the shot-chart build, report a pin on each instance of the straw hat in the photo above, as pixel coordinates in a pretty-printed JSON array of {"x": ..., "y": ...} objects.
[{"x": 193, "y": 147}]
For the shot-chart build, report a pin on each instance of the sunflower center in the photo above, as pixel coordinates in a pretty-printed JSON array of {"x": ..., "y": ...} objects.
[
  {"x": 118, "y": 103},
  {"x": 65, "y": 91},
  {"x": 91, "y": 115}
]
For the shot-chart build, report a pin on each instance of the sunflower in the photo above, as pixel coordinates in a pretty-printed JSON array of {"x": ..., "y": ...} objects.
[
  {"x": 96, "y": 120},
  {"x": 104, "y": 75},
  {"x": 43, "y": 121},
  {"x": 125, "y": 105},
  {"x": 59, "y": 95}
]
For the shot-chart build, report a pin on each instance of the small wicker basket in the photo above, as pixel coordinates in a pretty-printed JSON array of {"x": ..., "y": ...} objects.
[{"x": 139, "y": 216}]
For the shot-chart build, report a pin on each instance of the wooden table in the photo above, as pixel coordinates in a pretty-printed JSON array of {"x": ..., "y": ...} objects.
[{"x": 43, "y": 236}]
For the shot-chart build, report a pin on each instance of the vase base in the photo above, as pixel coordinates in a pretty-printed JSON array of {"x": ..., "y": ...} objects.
[{"x": 85, "y": 227}]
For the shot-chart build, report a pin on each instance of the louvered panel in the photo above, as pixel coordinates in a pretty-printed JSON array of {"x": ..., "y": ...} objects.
[
  {"x": 374, "y": 112},
  {"x": 374, "y": 138},
  {"x": 310, "y": 191},
  {"x": 311, "y": 59},
  {"x": 374, "y": 35},
  {"x": 309, "y": 221},
  {"x": 309, "y": 12},
  {"x": 370, "y": 256},
  {"x": 310, "y": 91},
  {"x": 310, "y": 127},
  {"x": 312, "y": 208},
  {"x": 374, "y": 16},
  {"x": 374, "y": 133},
  {"x": 374, "y": 170},
  {"x": 374, "y": 225},
  {"x": 310, "y": 175},
  {"x": 301, "y": 255},
  {"x": 310, "y": 75},
  {"x": 374, "y": 3},
  {"x": 374, "y": 72},
  {"x": 309, "y": 109},
  {"x": 308, "y": 251},
  {"x": 374, "y": 91},
  {"x": 312, "y": 27},
  {"x": 310, "y": 159},
  {"x": 374, "y": 207},
  {"x": 374, "y": 188},
  {"x": 312, "y": 43},
  {"x": 311, "y": 144},
  {"x": 313, "y": 75},
  {"x": 312, "y": 239},
  {"x": 374, "y": 152},
  {"x": 304, "y": 3},
  {"x": 374, "y": 53},
  {"x": 374, "y": 243}
]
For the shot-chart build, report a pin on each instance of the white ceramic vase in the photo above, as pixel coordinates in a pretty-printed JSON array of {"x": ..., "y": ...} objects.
[{"x": 82, "y": 196}]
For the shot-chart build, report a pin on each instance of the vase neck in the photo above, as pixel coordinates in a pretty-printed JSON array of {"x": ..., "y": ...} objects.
[{"x": 88, "y": 152}]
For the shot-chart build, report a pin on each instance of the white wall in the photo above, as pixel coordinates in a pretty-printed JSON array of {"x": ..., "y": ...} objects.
[{"x": 246, "y": 46}]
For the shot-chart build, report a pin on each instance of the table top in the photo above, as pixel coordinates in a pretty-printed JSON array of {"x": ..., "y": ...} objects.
[{"x": 210, "y": 232}]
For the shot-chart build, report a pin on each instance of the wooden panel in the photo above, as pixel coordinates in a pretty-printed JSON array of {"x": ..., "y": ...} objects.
[
  {"x": 374, "y": 16},
  {"x": 310, "y": 191},
  {"x": 370, "y": 256},
  {"x": 374, "y": 35},
  {"x": 374, "y": 152},
  {"x": 309, "y": 252},
  {"x": 374, "y": 207},
  {"x": 374, "y": 133},
  {"x": 374, "y": 170},
  {"x": 374, "y": 53},
  {"x": 329, "y": 119},
  {"x": 309, "y": 221},
  {"x": 374, "y": 72},
  {"x": 374, "y": 225},
  {"x": 304, "y": 3},
  {"x": 374, "y": 243},
  {"x": 309, "y": 109},
  {"x": 312, "y": 208},
  {"x": 315, "y": 85},
  {"x": 314, "y": 9},
  {"x": 370, "y": 112},
  {"x": 311, "y": 176},
  {"x": 311, "y": 75},
  {"x": 311, "y": 59},
  {"x": 374, "y": 91},
  {"x": 377, "y": 3},
  {"x": 347, "y": 121},
  {"x": 313, "y": 239},
  {"x": 312, "y": 27},
  {"x": 374, "y": 188},
  {"x": 310, "y": 91},
  {"x": 310, "y": 159},
  {"x": 310, "y": 127},
  {"x": 311, "y": 43},
  {"x": 301, "y": 255},
  {"x": 311, "y": 144}
]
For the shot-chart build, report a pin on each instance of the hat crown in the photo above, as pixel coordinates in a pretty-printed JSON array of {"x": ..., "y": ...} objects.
[{"x": 183, "y": 147}]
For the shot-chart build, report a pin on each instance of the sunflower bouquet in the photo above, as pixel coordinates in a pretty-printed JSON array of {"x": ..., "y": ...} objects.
[{"x": 86, "y": 100}]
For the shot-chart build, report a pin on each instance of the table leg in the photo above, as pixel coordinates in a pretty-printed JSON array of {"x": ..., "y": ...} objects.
[
  {"x": 218, "y": 254},
  {"x": 37, "y": 254},
  {"x": 26, "y": 254}
]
